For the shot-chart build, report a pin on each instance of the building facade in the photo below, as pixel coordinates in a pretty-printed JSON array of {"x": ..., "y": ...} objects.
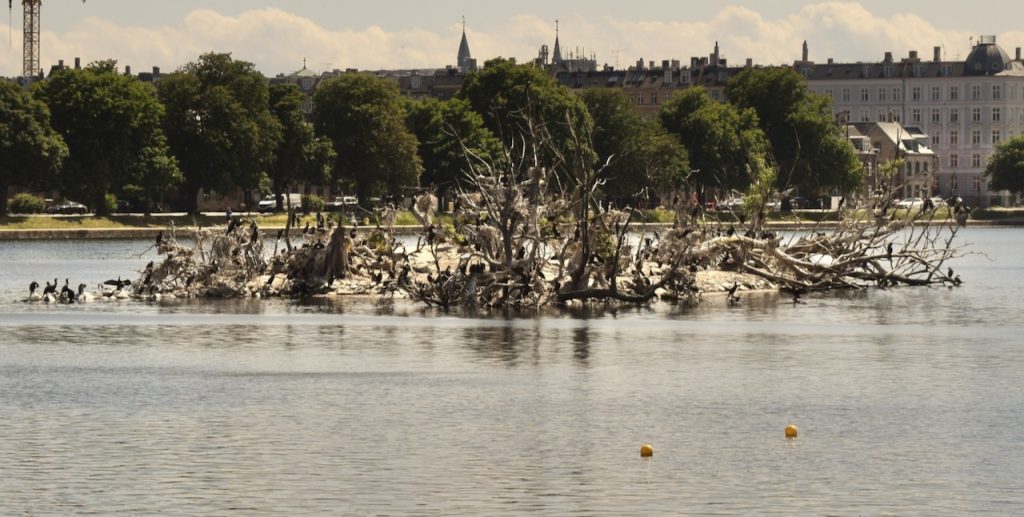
[{"x": 966, "y": 108}]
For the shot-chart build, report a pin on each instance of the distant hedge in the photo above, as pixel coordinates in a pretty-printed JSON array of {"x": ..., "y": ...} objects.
[{"x": 26, "y": 204}]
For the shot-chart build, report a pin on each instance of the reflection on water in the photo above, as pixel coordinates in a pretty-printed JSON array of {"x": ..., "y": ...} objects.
[{"x": 908, "y": 401}]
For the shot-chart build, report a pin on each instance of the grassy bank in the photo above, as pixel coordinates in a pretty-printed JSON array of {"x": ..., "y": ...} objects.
[{"x": 1009, "y": 216}]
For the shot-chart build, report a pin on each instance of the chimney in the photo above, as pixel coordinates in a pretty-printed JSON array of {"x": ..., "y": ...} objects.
[
  {"x": 830, "y": 61},
  {"x": 60, "y": 64},
  {"x": 938, "y": 54},
  {"x": 664, "y": 64},
  {"x": 78, "y": 63},
  {"x": 1018, "y": 53},
  {"x": 913, "y": 55},
  {"x": 128, "y": 70},
  {"x": 750, "y": 62},
  {"x": 650, "y": 65},
  {"x": 694, "y": 62},
  {"x": 156, "y": 71},
  {"x": 805, "y": 52},
  {"x": 714, "y": 59},
  {"x": 888, "y": 57}
]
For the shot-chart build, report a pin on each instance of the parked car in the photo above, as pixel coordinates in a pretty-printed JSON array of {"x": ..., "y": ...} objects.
[
  {"x": 732, "y": 205},
  {"x": 910, "y": 204},
  {"x": 68, "y": 207},
  {"x": 269, "y": 203},
  {"x": 341, "y": 201}
]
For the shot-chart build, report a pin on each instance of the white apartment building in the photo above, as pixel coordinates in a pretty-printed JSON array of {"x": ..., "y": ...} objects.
[{"x": 965, "y": 107}]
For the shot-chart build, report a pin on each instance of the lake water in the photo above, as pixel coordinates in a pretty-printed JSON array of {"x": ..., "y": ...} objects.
[{"x": 909, "y": 401}]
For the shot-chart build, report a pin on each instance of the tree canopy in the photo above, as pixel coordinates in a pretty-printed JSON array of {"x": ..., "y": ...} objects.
[
  {"x": 450, "y": 135},
  {"x": 1005, "y": 169},
  {"x": 725, "y": 143},
  {"x": 643, "y": 155},
  {"x": 300, "y": 155},
  {"x": 512, "y": 97},
  {"x": 30, "y": 150},
  {"x": 219, "y": 125},
  {"x": 362, "y": 116},
  {"x": 111, "y": 124},
  {"x": 807, "y": 145}
]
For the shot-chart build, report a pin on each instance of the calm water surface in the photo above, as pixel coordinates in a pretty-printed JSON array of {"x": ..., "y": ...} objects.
[{"x": 909, "y": 401}]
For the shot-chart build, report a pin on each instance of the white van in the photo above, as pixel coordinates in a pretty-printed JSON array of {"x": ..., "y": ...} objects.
[{"x": 269, "y": 203}]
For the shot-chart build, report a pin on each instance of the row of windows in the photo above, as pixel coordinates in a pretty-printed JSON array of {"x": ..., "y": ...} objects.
[
  {"x": 952, "y": 117},
  {"x": 920, "y": 93},
  {"x": 953, "y": 161}
]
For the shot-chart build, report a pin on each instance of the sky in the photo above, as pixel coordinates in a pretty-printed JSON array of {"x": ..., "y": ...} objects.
[{"x": 278, "y": 35}]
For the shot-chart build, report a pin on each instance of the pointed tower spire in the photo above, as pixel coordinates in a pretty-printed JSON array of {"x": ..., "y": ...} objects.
[
  {"x": 465, "y": 61},
  {"x": 556, "y": 55}
]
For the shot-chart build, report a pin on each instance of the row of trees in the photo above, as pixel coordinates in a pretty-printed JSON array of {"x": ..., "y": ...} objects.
[{"x": 215, "y": 124}]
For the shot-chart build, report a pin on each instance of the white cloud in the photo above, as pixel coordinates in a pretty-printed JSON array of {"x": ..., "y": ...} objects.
[{"x": 277, "y": 41}]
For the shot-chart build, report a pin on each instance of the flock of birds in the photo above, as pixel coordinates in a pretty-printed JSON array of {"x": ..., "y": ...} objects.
[{"x": 110, "y": 290}]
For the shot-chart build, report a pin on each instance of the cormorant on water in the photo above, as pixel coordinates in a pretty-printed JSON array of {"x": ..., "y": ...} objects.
[
  {"x": 732, "y": 298},
  {"x": 796, "y": 292},
  {"x": 50, "y": 288}
]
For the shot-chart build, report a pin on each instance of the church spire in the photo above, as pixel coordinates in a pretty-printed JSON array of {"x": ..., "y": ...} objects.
[
  {"x": 556, "y": 56},
  {"x": 465, "y": 62}
]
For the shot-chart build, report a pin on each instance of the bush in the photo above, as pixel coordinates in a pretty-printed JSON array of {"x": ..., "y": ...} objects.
[
  {"x": 659, "y": 215},
  {"x": 312, "y": 203},
  {"x": 110, "y": 201},
  {"x": 26, "y": 204}
]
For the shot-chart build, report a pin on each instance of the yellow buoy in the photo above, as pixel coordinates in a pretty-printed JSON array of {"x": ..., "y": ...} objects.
[
  {"x": 646, "y": 450},
  {"x": 791, "y": 431}
]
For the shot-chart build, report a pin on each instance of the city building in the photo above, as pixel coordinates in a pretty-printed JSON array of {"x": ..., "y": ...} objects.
[
  {"x": 967, "y": 107},
  {"x": 881, "y": 146}
]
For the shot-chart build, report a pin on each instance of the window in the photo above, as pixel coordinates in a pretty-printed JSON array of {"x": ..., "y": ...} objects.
[
  {"x": 976, "y": 161},
  {"x": 917, "y": 168},
  {"x": 936, "y": 118},
  {"x": 935, "y": 140},
  {"x": 915, "y": 116},
  {"x": 828, "y": 92},
  {"x": 996, "y": 114},
  {"x": 954, "y": 138},
  {"x": 997, "y": 92},
  {"x": 654, "y": 97},
  {"x": 976, "y": 92},
  {"x": 863, "y": 94},
  {"x": 846, "y": 95},
  {"x": 895, "y": 116},
  {"x": 976, "y": 138},
  {"x": 897, "y": 94},
  {"x": 887, "y": 70},
  {"x": 947, "y": 70},
  {"x": 954, "y": 162},
  {"x": 936, "y": 93},
  {"x": 881, "y": 94},
  {"x": 954, "y": 115},
  {"x": 976, "y": 115},
  {"x": 915, "y": 93},
  {"x": 977, "y": 180},
  {"x": 997, "y": 136},
  {"x": 865, "y": 116},
  {"x": 954, "y": 93}
]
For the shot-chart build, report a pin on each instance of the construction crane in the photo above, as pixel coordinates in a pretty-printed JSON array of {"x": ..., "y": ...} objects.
[{"x": 30, "y": 30}]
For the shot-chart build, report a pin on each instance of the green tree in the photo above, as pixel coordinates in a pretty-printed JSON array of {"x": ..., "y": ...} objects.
[
  {"x": 300, "y": 156},
  {"x": 219, "y": 125},
  {"x": 450, "y": 135},
  {"x": 725, "y": 144},
  {"x": 523, "y": 105},
  {"x": 809, "y": 148},
  {"x": 363, "y": 118},
  {"x": 643, "y": 155},
  {"x": 1005, "y": 170},
  {"x": 111, "y": 124},
  {"x": 30, "y": 150}
]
